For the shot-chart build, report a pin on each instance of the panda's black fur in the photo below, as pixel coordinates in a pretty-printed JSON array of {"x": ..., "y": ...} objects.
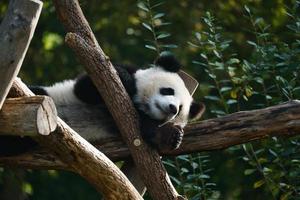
[{"x": 161, "y": 135}]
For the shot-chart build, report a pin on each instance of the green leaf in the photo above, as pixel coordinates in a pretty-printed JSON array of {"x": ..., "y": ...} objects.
[
  {"x": 164, "y": 24},
  {"x": 217, "y": 53},
  {"x": 163, "y": 35},
  {"x": 219, "y": 65},
  {"x": 296, "y": 88},
  {"x": 218, "y": 112},
  {"x": 158, "y": 4},
  {"x": 204, "y": 176},
  {"x": 151, "y": 47},
  {"x": 199, "y": 63},
  {"x": 170, "y": 46},
  {"x": 259, "y": 80},
  {"x": 225, "y": 89},
  {"x": 147, "y": 26},
  {"x": 193, "y": 45},
  {"x": 267, "y": 170},
  {"x": 231, "y": 101},
  {"x": 158, "y": 15},
  {"x": 212, "y": 76},
  {"x": 252, "y": 43},
  {"x": 142, "y": 6},
  {"x": 247, "y": 9},
  {"x": 184, "y": 170},
  {"x": 258, "y": 184},
  {"x": 175, "y": 180},
  {"x": 203, "y": 55},
  {"x": 233, "y": 61},
  {"x": 249, "y": 171},
  {"x": 213, "y": 98},
  {"x": 269, "y": 97},
  {"x": 198, "y": 36}
]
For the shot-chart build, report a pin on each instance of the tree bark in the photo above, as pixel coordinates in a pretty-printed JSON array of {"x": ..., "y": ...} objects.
[
  {"x": 83, "y": 158},
  {"x": 16, "y": 32},
  {"x": 28, "y": 116}
]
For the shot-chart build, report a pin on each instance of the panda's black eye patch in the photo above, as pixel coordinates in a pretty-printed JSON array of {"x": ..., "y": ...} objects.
[{"x": 166, "y": 91}]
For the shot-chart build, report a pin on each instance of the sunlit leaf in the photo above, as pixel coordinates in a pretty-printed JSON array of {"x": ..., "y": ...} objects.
[
  {"x": 198, "y": 36},
  {"x": 147, "y": 26},
  {"x": 142, "y": 6},
  {"x": 163, "y": 35},
  {"x": 158, "y": 15},
  {"x": 258, "y": 184},
  {"x": 150, "y": 47},
  {"x": 247, "y": 9},
  {"x": 249, "y": 171}
]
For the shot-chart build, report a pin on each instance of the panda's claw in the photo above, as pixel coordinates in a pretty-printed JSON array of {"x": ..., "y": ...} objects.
[
  {"x": 169, "y": 137},
  {"x": 176, "y": 138}
]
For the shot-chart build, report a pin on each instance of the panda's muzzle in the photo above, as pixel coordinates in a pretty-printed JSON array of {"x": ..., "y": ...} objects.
[{"x": 171, "y": 109}]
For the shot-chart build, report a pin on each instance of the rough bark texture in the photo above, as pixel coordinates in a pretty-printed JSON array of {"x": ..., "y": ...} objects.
[
  {"x": 83, "y": 158},
  {"x": 28, "y": 116},
  {"x": 110, "y": 87},
  {"x": 129, "y": 169},
  {"x": 16, "y": 32}
]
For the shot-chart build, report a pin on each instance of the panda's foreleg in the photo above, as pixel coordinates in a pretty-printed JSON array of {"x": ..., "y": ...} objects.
[{"x": 164, "y": 138}]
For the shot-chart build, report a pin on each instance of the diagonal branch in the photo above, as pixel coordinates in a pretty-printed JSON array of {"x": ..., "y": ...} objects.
[{"x": 108, "y": 83}]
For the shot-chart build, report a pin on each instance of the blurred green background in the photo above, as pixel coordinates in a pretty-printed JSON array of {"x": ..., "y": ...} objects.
[{"x": 245, "y": 54}]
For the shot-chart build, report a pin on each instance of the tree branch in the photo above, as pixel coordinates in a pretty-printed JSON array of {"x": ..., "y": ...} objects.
[
  {"x": 16, "y": 32},
  {"x": 237, "y": 128}
]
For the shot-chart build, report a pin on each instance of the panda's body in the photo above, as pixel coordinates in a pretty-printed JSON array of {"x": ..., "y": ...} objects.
[{"x": 159, "y": 94}]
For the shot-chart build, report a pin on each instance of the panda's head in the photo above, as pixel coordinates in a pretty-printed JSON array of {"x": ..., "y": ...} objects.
[{"x": 162, "y": 94}]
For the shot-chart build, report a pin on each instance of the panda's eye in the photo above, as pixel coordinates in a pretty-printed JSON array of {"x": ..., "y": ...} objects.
[{"x": 166, "y": 91}]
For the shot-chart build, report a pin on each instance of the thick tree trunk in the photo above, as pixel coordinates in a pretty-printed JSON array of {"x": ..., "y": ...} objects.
[{"x": 16, "y": 32}]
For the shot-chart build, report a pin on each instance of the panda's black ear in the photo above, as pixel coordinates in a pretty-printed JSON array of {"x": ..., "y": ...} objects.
[
  {"x": 196, "y": 110},
  {"x": 168, "y": 62}
]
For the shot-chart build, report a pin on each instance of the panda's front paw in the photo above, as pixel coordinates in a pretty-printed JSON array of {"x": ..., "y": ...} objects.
[{"x": 169, "y": 137}]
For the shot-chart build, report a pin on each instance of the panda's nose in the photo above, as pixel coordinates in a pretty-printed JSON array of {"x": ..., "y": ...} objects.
[{"x": 172, "y": 108}]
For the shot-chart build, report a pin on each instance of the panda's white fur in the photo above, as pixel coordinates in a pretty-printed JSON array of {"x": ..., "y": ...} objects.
[
  {"x": 148, "y": 83},
  {"x": 63, "y": 93}
]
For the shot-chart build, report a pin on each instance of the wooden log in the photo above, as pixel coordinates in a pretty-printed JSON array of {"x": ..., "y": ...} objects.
[
  {"x": 281, "y": 120},
  {"x": 16, "y": 32},
  {"x": 28, "y": 116},
  {"x": 83, "y": 158}
]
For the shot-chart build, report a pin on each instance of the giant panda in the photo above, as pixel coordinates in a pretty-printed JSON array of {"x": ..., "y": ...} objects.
[{"x": 160, "y": 96}]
